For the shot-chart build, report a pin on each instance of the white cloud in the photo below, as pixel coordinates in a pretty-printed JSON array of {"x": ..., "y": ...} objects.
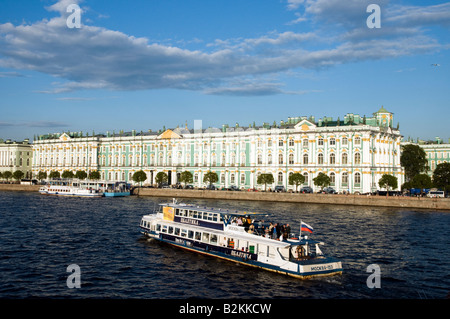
[{"x": 93, "y": 57}]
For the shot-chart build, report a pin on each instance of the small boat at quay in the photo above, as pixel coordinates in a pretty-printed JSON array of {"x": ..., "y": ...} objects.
[
  {"x": 241, "y": 237},
  {"x": 85, "y": 188}
]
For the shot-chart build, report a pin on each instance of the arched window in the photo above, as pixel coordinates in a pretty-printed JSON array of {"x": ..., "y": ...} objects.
[
  {"x": 357, "y": 158},
  {"x": 320, "y": 158},
  {"x": 232, "y": 179},
  {"x": 259, "y": 158},
  {"x": 280, "y": 177},
  {"x": 280, "y": 158},
  {"x": 305, "y": 159},
  {"x": 242, "y": 179},
  {"x": 344, "y": 179},
  {"x": 269, "y": 159},
  {"x": 332, "y": 158},
  {"x": 344, "y": 158},
  {"x": 291, "y": 158},
  {"x": 332, "y": 179},
  {"x": 357, "y": 179},
  {"x": 306, "y": 178}
]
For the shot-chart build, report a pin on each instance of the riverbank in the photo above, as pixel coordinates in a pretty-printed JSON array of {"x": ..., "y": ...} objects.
[{"x": 355, "y": 200}]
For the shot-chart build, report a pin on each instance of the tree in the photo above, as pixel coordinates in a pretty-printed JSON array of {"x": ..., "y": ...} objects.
[
  {"x": 186, "y": 177},
  {"x": 421, "y": 181},
  {"x": 42, "y": 175},
  {"x": 54, "y": 174},
  {"x": 161, "y": 177},
  {"x": 414, "y": 160},
  {"x": 18, "y": 175},
  {"x": 322, "y": 180},
  {"x": 265, "y": 179},
  {"x": 441, "y": 176},
  {"x": 67, "y": 174},
  {"x": 94, "y": 175},
  {"x": 210, "y": 177},
  {"x": 139, "y": 176},
  {"x": 296, "y": 179},
  {"x": 7, "y": 175},
  {"x": 388, "y": 181},
  {"x": 81, "y": 175}
]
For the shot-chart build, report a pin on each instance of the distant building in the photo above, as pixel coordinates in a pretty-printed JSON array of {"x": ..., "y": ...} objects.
[
  {"x": 16, "y": 156},
  {"x": 437, "y": 152},
  {"x": 354, "y": 151}
]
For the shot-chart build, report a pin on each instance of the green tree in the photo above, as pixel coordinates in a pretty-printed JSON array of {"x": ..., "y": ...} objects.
[
  {"x": 414, "y": 160},
  {"x": 161, "y": 177},
  {"x": 210, "y": 177},
  {"x": 54, "y": 174},
  {"x": 18, "y": 175},
  {"x": 388, "y": 181},
  {"x": 94, "y": 175},
  {"x": 81, "y": 175},
  {"x": 7, "y": 175},
  {"x": 67, "y": 174},
  {"x": 322, "y": 180},
  {"x": 186, "y": 177},
  {"x": 441, "y": 176},
  {"x": 421, "y": 181},
  {"x": 42, "y": 175},
  {"x": 296, "y": 179},
  {"x": 139, "y": 177},
  {"x": 265, "y": 179}
]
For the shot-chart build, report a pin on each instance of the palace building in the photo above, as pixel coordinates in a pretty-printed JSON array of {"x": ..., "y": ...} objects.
[
  {"x": 353, "y": 151},
  {"x": 16, "y": 156}
]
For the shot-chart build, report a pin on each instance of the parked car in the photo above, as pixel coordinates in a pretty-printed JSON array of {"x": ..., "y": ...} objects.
[
  {"x": 329, "y": 190},
  {"x": 233, "y": 188},
  {"x": 279, "y": 189},
  {"x": 211, "y": 187},
  {"x": 306, "y": 189},
  {"x": 436, "y": 194},
  {"x": 188, "y": 187}
]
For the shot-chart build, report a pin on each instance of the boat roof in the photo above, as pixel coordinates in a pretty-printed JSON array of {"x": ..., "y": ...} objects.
[{"x": 220, "y": 211}]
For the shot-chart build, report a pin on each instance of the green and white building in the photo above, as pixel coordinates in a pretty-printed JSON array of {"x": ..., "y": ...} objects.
[
  {"x": 15, "y": 155},
  {"x": 354, "y": 151}
]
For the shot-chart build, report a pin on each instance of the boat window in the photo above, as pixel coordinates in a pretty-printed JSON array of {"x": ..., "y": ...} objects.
[
  {"x": 177, "y": 212},
  {"x": 205, "y": 237},
  {"x": 213, "y": 239},
  {"x": 251, "y": 248},
  {"x": 215, "y": 217},
  {"x": 210, "y": 216},
  {"x": 196, "y": 214},
  {"x": 164, "y": 229},
  {"x": 284, "y": 252},
  {"x": 198, "y": 235},
  {"x": 191, "y": 213},
  {"x": 205, "y": 216},
  {"x": 183, "y": 213},
  {"x": 158, "y": 227},
  {"x": 230, "y": 242},
  {"x": 183, "y": 233},
  {"x": 177, "y": 231},
  {"x": 190, "y": 234},
  {"x": 170, "y": 229}
]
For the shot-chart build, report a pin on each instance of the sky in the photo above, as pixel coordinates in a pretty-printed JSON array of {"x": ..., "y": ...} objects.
[{"x": 147, "y": 64}]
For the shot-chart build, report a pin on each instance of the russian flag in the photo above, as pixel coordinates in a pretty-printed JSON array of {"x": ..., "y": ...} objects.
[{"x": 306, "y": 227}]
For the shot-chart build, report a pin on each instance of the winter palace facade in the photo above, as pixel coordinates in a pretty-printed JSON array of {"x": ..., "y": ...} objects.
[{"x": 354, "y": 151}]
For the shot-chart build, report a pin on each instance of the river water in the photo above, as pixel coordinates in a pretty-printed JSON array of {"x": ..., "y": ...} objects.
[{"x": 40, "y": 236}]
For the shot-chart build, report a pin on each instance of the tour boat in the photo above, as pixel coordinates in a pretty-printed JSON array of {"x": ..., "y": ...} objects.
[
  {"x": 71, "y": 187},
  {"x": 214, "y": 232},
  {"x": 116, "y": 189}
]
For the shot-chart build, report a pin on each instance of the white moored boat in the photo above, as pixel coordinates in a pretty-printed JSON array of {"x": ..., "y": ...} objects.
[
  {"x": 71, "y": 187},
  {"x": 213, "y": 232}
]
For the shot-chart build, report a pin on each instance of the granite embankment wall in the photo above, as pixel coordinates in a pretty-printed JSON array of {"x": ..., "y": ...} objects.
[{"x": 354, "y": 200}]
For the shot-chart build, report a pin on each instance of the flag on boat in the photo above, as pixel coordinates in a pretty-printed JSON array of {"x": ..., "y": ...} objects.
[{"x": 306, "y": 227}]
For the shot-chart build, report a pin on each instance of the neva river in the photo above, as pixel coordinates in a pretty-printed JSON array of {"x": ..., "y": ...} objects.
[{"x": 40, "y": 236}]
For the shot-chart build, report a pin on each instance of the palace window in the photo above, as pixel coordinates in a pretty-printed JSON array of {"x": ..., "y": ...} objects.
[
  {"x": 280, "y": 143},
  {"x": 357, "y": 158},
  {"x": 344, "y": 179},
  {"x": 306, "y": 178},
  {"x": 291, "y": 142},
  {"x": 357, "y": 140},
  {"x": 344, "y": 158},
  {"x": 291, "y": 158},
  {"x": 269, "y": 159},
  {"x": 259, "y": 158},
  {"x": 242, "y": 179},
  {"x": 332, "y": 158},
  {"x": 280, "y": 177},
  {"x": 232, "y": 180},
  {"x": 320, "y": 141},
  {"x": 332, "y": 179},
  {"x": 280, "y": 158},
  {"x": 332, "y": 141},
  {"x": 320, "y": 158},
  {"x": 305, "y": 143},
  {"x": 305, "y": 159},
  {"x": 357, "y": 179},
  {"x": 344, "y": 141},
  {"x": 269, "y": 143}
]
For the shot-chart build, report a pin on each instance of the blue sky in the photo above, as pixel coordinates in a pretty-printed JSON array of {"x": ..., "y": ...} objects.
[{"x": 145, "y": 64}]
